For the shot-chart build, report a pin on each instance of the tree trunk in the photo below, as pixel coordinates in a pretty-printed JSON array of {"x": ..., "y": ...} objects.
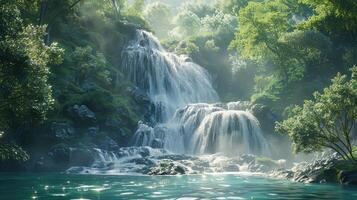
[{"x": 43, "y": 8}]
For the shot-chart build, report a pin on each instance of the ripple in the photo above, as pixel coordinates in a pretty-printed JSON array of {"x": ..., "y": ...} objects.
[{"x": 126, "y": 193}]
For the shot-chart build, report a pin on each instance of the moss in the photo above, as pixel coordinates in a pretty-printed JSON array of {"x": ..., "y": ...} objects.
[{"x": 266, "y": 161}]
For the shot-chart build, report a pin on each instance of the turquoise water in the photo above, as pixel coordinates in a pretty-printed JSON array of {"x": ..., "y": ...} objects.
[{"x": 222, "y": 186}]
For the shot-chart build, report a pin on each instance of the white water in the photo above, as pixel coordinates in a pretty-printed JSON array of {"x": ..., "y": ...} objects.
[
  {"x": 183, "y": 96},
  {"x": 187, "y": 121},
  {"x": 169, "y": 80}
]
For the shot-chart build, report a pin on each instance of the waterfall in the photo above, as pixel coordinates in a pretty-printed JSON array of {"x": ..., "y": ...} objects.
[
  {"x": 169, "y": 80},
  {"x": 188, "y": 120}
]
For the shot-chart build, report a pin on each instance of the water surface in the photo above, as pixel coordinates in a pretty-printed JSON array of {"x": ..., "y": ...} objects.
[{"x": 219, "y": 186}]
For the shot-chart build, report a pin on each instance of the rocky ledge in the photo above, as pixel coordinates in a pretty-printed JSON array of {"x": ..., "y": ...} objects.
[{"x": 330, "y": 169}]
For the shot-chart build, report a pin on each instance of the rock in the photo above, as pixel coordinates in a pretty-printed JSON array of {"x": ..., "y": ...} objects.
[
  {"x": 318, "y": 171},
  {"x": 139, "y": 95},
  {"x": 265, "y": 116},
  {"x": 246, "y": 159},
  {"x": 93, "y": 131},
  {"x": 188, "y": 59},
  {"x": 143, "y": 161},
  {"x": 61, "y": 131},
  {"x": 60, "y": 154},
  {"x": 82, "y": 113},
  {"x": 167, "y": 167},
  {"x": 348, "y": 177},
  {"x": 106, "y": 143},
  {"x": 157, "y": 143},
  {"x": 231, "y": 168},
  {"x": 80, "y": 157},
  {"x": 176, "y": 157}
]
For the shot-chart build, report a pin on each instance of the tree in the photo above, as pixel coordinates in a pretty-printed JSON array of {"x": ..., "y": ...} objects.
[
  {"x": 159, "y": 17},
  {"x": 261, "y": 24},
  {"x": 220, "y": 24},
  {"x": 187, "y": 24},
  {"x": 336, "y": 18},
  {"x": 25, "y": 94},
  {"x": 327, "y": 120},
  {"x": 231, "y": 6},
  {"x": 90, "y": 66}
]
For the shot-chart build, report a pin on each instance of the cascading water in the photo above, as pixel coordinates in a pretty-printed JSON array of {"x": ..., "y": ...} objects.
[
  {"x": 169, "y": 80},
  {"x": 186, "y": 118},
  {"x": 177, "y": 88}
]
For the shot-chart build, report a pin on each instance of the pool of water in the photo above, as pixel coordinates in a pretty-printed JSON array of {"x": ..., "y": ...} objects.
[{"x": 213, "y": 186}]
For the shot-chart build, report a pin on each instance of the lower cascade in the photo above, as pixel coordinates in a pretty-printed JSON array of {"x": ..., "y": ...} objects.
[
  {"x": 187, "y": 132},
  {"x": 199, "y": 129}
]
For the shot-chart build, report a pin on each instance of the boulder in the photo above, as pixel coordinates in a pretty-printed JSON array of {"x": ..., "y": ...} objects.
[
  {"x": 60, "y": 154},
  {"x": 157, "y": 143},
  {"x": 348, "y": 177},
  {"x": 265, "y": 116},
  {"x": 93, "y": 131},
  {"x": 82, "y": 113},
  {"x": 61, "y": 131},
  {"x": 231, "y": 168},
  {"x": 167, "y": 167},
  {"x": 106, "y": 143},
  {"x": 81, "y": 157}
]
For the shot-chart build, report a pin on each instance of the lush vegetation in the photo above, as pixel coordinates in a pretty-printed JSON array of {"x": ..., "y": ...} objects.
[
  {"x": 58, "y": 54},
  {"x": 327, "y": 121}
]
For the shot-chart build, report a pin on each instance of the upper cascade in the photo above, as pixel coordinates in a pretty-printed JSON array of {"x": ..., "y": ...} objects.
[
  {"x": 171, "y": 81},
  {"x": 188, "y": 119}
]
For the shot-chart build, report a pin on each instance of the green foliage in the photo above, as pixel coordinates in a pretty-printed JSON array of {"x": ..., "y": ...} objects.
[
  {"x": 266, "y": 162},
  {"x": 12, "y": 152},
  {"x": 260, "y": 27},
  {"x": 159, "y": 18},
  {"x": 187, "y": 24},
  {"x": 25, "y": 93},
  {"x": 337, "y": 18},
  {"x": 89, "y": 65},
  {"x": 231, "y": 6},
  {"x": 326, "y": 121}
]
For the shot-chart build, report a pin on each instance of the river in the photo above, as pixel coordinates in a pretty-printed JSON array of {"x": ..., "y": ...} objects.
[{"x": 208, "y": 186}]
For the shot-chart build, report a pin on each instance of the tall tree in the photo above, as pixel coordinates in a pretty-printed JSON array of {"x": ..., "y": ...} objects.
[
  {"x": 25, "y": 93},
  {"x": 327, "y": 120}
]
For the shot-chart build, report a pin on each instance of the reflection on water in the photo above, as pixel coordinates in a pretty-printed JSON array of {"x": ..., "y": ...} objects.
[{"x": 218, "y": 186}]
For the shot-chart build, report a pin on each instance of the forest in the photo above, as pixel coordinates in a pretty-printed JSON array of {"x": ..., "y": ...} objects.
[{"x": 148, "y": 86}]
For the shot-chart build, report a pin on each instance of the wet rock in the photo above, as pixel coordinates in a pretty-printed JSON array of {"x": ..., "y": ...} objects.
[
  {"x": 76, "y": 170},
  {"x": 246, "y": 159},
  {"x": 106, "y": 143},
  {"x": 139, "y": 95},
  {"x": 231, "y": 168},
  {"x": 265, "y": 116},
  {"x": 188, "y": 59},
  {"x": 167, "y": 167},
  {"x": 82, "y": 113},
  {"x": 60, "y": 154},
  {"x": 348, "y": 177},
  {"x": 176, "y": 157},
  {"x": 320, "y": 170},
  {"x": 81, "y": 157},
  {"x": 143, "y": 161},
  {"x": 93, "y": 131},
  {"x": 157, "y": 143},
  {"x": 61, "y": 131},
  {"x": 63, "y": 157}
]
